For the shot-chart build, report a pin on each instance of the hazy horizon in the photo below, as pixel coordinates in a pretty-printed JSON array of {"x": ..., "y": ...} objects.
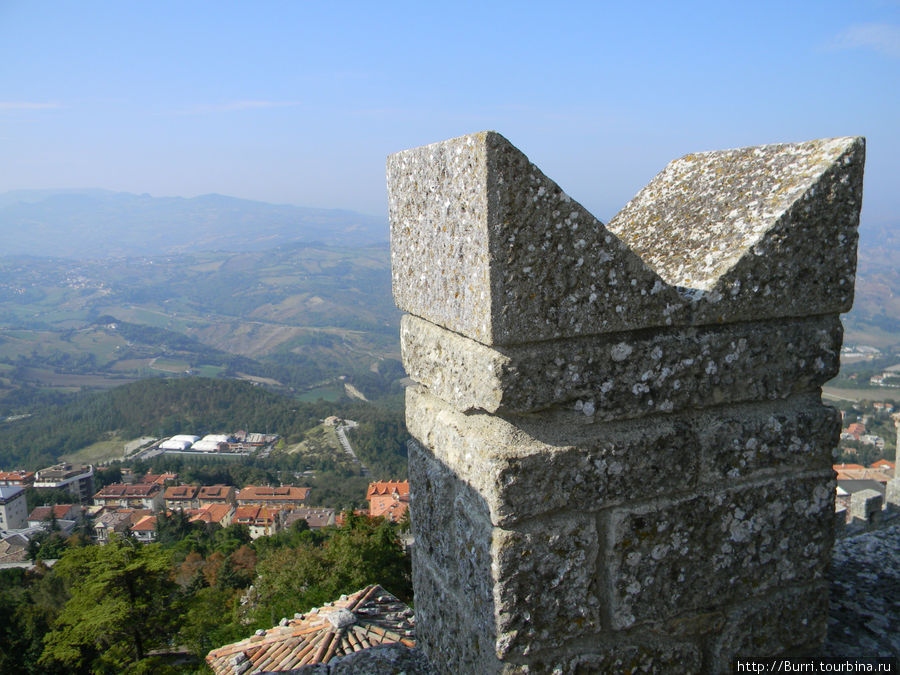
[{"x": 300, "y": 104}]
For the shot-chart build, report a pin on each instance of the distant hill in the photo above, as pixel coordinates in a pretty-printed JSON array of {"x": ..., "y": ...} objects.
[
  {"x": 875, "y": 317},
  {"x": 93, "y": 224}
]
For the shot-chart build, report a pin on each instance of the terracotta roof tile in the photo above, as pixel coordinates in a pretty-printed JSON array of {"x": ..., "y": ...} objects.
[
  {"x": 273, "y": 494},
  {"x": 182, "y": 492},
  {"x": 385, "y": 487},
  {"x": 366, "y": 618}
]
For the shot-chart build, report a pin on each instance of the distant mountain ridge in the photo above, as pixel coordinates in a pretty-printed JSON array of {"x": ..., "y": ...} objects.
[{"x": 93, "y": 223}]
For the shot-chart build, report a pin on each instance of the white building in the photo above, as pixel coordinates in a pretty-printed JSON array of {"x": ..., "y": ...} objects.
[
  {"x": 179, "y": 442},
  {"x": 13, "y": 512},
  {"x": 211, "y": 443}
]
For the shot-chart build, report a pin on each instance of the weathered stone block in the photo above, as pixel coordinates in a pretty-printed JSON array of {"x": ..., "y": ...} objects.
[
  {"x": 628, "y": 654},
  {"x": 484, "y": 244},
  {"x": 545, "y": 591},
  {"x": 892, "y": 493},
  {"x": 766, "y": 438},
  {"x": 526, "y": 466},
  {"x": 866, "y": 505},
  {"x": 432, "y": 493},
  {"x": 787, "y": 620},
  {"x": 766, "y": 231},
  {"x": 626, "y": 375},
  {"x": 523, "y": 471},
  {"x": 451, "y": 524},
  {"x": 474, "y": 225},
  {"x": 621, "y": 457},
  {"x": 457, "y": 633},
  {"x": 672, "y": 556}
]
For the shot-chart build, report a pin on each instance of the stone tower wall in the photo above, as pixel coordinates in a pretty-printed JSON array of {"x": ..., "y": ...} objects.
[{"x": 620, "y": 454}]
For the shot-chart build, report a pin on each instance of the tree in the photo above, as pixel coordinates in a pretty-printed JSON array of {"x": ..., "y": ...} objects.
[
  {"x": 209, "y": 621},
  {"x": 120, "y": 595},
  {"x": 362, "y": 552}
]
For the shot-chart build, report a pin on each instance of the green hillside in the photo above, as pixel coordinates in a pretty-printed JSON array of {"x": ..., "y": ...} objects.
[
  {"x": 163, "y": 407},
  {"x": 295, "y": 318}
]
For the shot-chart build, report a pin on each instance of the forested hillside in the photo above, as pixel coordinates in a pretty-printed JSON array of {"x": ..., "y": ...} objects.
[{"x": 164, "y": 407}]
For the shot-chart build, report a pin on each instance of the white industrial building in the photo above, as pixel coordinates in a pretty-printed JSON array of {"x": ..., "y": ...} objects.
[
  {"x": 211, "y": 443},
  {"x": 179, "y": 442}
]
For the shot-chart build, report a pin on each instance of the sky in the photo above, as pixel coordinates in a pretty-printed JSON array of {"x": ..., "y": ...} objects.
[{"x": 301, "y": 102}]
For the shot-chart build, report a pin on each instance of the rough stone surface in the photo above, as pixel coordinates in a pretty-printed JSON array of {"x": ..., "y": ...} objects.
[
  {"x": 624, "y": 656},
  {"x": 710, "y": 549},
  {"x": 392, "y": 659},
  {"x": 545, "y": 583},
  {"x": 863, "y": 621},
  {"x": 767, "y": 230},
  {"x": 484, "y": 244},
  {"x": 621, "y": 460},
  {"x": 783, "y": 622},
  {"x": 522, "y": 467},
  {"x": 459, "y": 634},
  {"x": 474, "y": 225},
  {"x": 864, "y": 613},
  {"x": 626, "y": 375},
  {"x": 866, "y": 504}
]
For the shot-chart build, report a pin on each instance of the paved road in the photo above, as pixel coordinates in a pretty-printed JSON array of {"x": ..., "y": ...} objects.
[{"x": 345, "y": 443}]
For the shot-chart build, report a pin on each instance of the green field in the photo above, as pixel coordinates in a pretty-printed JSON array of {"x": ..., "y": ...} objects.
[
  {"x": 100, "y": 452},
  {"x": 330, "y": 393},
  {"x": 861, "y": 394}
]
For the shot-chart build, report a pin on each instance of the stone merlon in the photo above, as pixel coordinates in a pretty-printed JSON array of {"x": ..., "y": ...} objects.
[
  {"x": 485, "y": 245},
  {"x": 620, "y": 457}
]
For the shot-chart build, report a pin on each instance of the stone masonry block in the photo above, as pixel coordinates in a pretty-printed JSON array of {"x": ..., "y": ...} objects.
[
  {"x": 620, "y": 459},
  {"x": 473, "y": 227},
  {"x": 457, "y": 633},
  {"x": 766, "y": 438},
  {"x": 623, "y": 654},
  {"x": 766, "y": 231},
  {"x": 520, "y": 473},
  {"x": 672, "y": 556},
  {"x": 545, "y": 591},
  {"x": 866, "y": 505},
  {"x": 484, "y": 244},
  {"x": 432, "y": 494},
  {"x": 626, "y": 375},
  {"x": 788, "y": 620},
  {"x": 526, "y": 466},
  {"x": 892, "y": 493},
  {"x": 451, "y": 524}
]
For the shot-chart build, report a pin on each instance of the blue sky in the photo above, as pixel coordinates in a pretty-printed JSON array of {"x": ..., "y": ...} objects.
[{"x": 300, "y": 102}]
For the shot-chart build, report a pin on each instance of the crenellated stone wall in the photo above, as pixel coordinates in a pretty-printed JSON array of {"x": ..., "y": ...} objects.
[{"x": 620, "y": 454}]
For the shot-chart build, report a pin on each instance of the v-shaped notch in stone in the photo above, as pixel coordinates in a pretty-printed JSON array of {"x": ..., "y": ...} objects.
[
  {"x": 484, "y": 244},
  {"x": 704, "y": 212}
]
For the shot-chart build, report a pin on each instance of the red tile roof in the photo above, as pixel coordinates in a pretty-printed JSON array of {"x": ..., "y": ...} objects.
[
  {"x": 182, "y": 492},
  {"x": 366, "y": 618},
  {"x": 864, "y": 474},
  {"x": 286, "y": 493},
  {"x": 145, "y": 524},
  {"x": 120, "y": 490},
  {"x": 43, "y": 512},
  {"x": 385, "y": 487},
  {"x": 315, "y": 517},
  {"x": 211, "y": 513},
  {"x": 17, "y": 476},
  {"x": 254, "y": 515},
  {"x": 388, "y": 499},
  {"x": 214, "y": 491},
  {"x": 135, "y": 515}
]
